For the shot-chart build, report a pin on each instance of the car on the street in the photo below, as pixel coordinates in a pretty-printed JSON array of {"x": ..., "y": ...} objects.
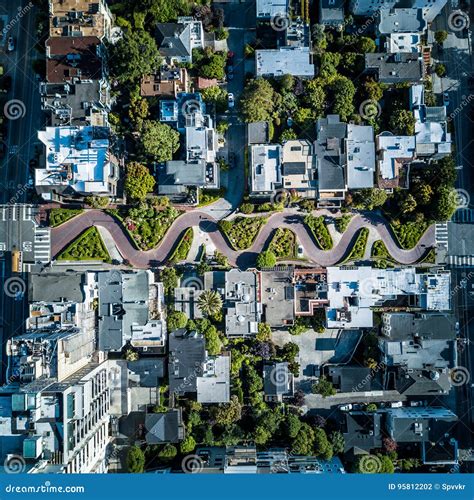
[
  {"x": 230, "y": 72},
  {"x": 10, "y": 44},
  {"x": 230, "y": 100},
  {"x": 396, "y": 404},
  {"x": 300, "y": 251},
  {"x": 445, "y": 99},
  {"x": 347, "y": 407}
]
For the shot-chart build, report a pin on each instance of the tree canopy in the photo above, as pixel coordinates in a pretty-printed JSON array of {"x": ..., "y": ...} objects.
[
  {"x": 258, "y": 101},
  {"x": 159, "y": 140},
  {"x": 138, "y": 181}
]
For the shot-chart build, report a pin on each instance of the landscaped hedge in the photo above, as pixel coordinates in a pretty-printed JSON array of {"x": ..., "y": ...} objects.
[
  {"x": 341, "y": 223},
  {"x": 242, "y": 231},
  {"x": 283, "y": 244},
  {"x": 358, "y": 249},
  {"x": 58, "y": 216},
  {"x": 182, "y": 250},
  {"x": 88, "y": 246},
  {"x": 320, "y": 231},
  {"x": 409, "y": 234}
]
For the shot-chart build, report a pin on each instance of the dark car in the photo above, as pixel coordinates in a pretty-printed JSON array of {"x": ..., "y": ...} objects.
[{"x": 230, "y": 72}]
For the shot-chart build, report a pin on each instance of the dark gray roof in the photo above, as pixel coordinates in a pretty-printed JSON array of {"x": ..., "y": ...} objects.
[
  {"x": 276, "y": 379},
  {"x": 187, "y": 353},
  {"x": 147, "y": 372},
  {"x": 354, "y": 378},
  {"x": 164, "y": 427},
  {"x": 362, "y": 430},
  {"x": 404, "y": 326},
  {"x": 54, "y": 287},
  {"x": 173, "y": 39},
  {"x": 331, "y": 11},
  {"x": 294, "y": 168},
  {"x": 395, "y": 68},
  {"x": 175, "y": 175},
  {"x": 257, "y": 132}
]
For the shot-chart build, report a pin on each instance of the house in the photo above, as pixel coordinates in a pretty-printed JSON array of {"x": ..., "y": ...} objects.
[
  {"x": 296, "y": 61},
  {"x": 269, "y": 9},
  {"x": 192, "y": 371},
  {"x": 432, "y": 428},
  {"x": 311, "y": 290},
  {"x": 297, "y": 34},
  {"x": 84, "y": 102},
  {"x": 330, "y": 160},
  {"x": 278, "y": 297},
  {"x": 168, "y": 83},
  {"x": 394, "y": 155},
  {"x": 165, "y": 427},
  {"x": 130, "y": 310},
  {"x": 265, "y": 170},
  {"x": 176, "y": 41},
  {"x": 401, "y": 20},
  {"x": 79, "y": 162},
  {"x": 401, "y": 67},
  {"x": 331, "y": 13},
  {"x": 278, "y": 382},
  {"x": 402, "y": 43},
  {"x": 360, "y": 156},
  {"x": 353, "y": 379},
  {"x": 362, "y": 431},
  {"x": 257, "y": 133},
  {"x": 80, "y": 18},
  {"x": 70, "y": 59},
  {"x": 242, "y": 303},
  {"x": 432, "y": 139},
  {"x": 353, "y": 292},
  {"x": 419, "y": 351},
  {"x": 366, "y": 8},
  {"x": 298, "y": 173}
]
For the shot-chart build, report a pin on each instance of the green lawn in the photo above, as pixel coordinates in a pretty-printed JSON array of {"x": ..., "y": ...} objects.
[
  {"x": 429, "y": 257},
  {"x": 320, "y": 231},
  {"x": 88, "y": 246},
  {"x": 283, "y": 244},
  {"x": 408, "y": 234},
  {"x": 242, "y": 231},
  {"x": 208, "y": 196},
  {"x": 341, "y": 223},
  {"x": 358, "y": 249},
  {"x": 182, "y": 250},
  {"x": 58, "y": 216}
]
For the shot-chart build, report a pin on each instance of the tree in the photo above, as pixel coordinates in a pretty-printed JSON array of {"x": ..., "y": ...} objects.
[
  {"x": 97, "y": 201},
  {"x": 287, "y": 82},
  {"x": 319, "y": 37},
  {"x": 209, "y": 302},
  {"x": 304, "y": 441},
  {"x": 315, "y": 97},
  {"x": 167, "y": 452},
  {"x": 445, "y": 203},
  {"x": 323, "y": 387},
  {"x": 440, "y": 70},
  {"x": 322, "y": 447},
  {"x": 138, "y": 181},
  {"x": 133, "y": 56},
  {"x": 261, "y": 435},
  {"x": 213, "y": 341},
  {"x": 304, "y": 118},
  {"x": 343, "y": 92},
  {"x": 373, "y": 90},
  {"x": 135, "y": 460},
  {"x": 159, "y": 140},
  {"x": 228, "y": 413},
  {"x": 266, "y": 259},
  {"x": 258, "y": 101},
  {"x": 289, "y": 351},
  {"x": 169, "y": 277},
  {"x": 402, "y": 122},
  {"x": 337, "y": 441},
  {"x": 176, "y": 320},
  {"x": 292, "y": 425},
  {"x": 138, "y": 112},
  {"x": 288, "y": 135},
  {"x": 408, "y": 204},
  {"x": 328, "y": 63},
  {"x": 441, "y": 36},
  {"x": 187, "y": 445},
  {"x": 370, "y": 198},
  {"x": 389, "y": 444},
  {"x": 423, "y": 193},
  {"x": 264, "y": 332},
  {"x": 216, "y": 95},
  {"x": 211, "y": 64},
  {"x": 365, "y": 45}
]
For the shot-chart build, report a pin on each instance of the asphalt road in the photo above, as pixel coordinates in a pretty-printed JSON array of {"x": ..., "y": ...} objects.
[{"x": 23, "y": 107}]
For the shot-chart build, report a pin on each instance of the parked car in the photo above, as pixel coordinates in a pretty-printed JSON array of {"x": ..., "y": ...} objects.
[
  {"x": 10, "y": 44},
  {"x": 230, "y": 72},
  {"x": 230, "y": 100},
  {"x": 445, "y": 99},
  {"x": 345, "y": 407},
  {"x": 300, "y": 251},
  {"x": 396, "y": 404}
]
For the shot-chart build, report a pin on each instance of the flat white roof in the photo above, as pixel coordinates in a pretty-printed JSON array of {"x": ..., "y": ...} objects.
[
  {"x": 285, "y": 60},
  {"x": 391, "y": 148}
]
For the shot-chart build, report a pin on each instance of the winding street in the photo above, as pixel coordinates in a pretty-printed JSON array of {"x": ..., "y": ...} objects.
[{"x": 62, "y": 235}]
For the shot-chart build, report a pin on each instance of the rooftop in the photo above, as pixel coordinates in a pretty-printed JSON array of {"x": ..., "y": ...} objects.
[
  {"x": 360, "y": 154},
  {"x": 294, "y": 61},
  {"x": 265, "y": 162},
  {"x": 396, "y": 68},
  {"x": 403, "y": 20}
]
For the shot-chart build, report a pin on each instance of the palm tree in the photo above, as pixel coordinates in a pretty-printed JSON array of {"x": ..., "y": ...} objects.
[{"x": 209, "y": 302}]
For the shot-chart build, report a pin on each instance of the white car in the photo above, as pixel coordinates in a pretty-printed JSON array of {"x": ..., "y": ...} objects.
[
  {"x": 397, "y": 404},
  {"x": 345, "y": 407},
  {"x": 230, "y": 100},
  {"x": 11, "y": 44}
]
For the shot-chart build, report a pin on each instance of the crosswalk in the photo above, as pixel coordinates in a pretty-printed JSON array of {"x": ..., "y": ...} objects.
[
  {"x": 461, "y": 260},
  {"x": 441, "y": 234},
  {"x": 464, "y": 215},
  {"x": 42, "y": 248}
]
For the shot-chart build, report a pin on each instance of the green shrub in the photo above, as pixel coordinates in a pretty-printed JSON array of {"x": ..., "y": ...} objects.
[
  {"x": 358, "y": 249},
  {"x": 283, "y": 244},
  {"x": 184, "y": 246},
  {"x": 88, "y": 246},
  {"x": 320, "y": 231},
  {"x": 242, "y": 231},
  {"x": 341, "y": 223},
  {"x": 58, "y": 216}
]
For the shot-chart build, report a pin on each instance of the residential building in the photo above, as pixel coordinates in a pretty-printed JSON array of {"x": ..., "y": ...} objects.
[
  {"x": 242, "y": 303},
  {"x": 360, "y": 156},
  {"x": 167, "y": 427},
  {"x": 297, "y": 34},
  {"x": 85, "y": 102},
  {"x": 257, "y": 133},
  {"x": 192, "y": 371},
  {"x": 330, "y": 160},
  {"x": 394, "y": 155},
  {"x": 401, "y": 67},
  {"x": 168, "y": 83},
  {"x": 331, "y": 13},
  {"x": 419, "y": 350},
  {"x": 296, "y": 61},
  {"x": 354, "y": 378},
  {"x": 80, "y": 18},
  {"x": 269, "y": 9},
  {"x": 432, "y": 138},
  {"x": 366, "y": 8},
  {"x": 298, "y": 174},
  {"x": 278, "y": 297},
  {"x": 265, "y": 170},
  {"x": 79, "y": 162},
  {"x": 403, "y": 43},
  {"x": 278, "y": 382},
  {"x": 362, "y": 431},
  {"x": 311, "y": 290},
  {"x": 131, "y": 310},
  {"x": 70, "y": 59},
  {"x": 354, "y": 291},
  {"x": 401, "y": 20},
  {"x": 176, "y": 41}
]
